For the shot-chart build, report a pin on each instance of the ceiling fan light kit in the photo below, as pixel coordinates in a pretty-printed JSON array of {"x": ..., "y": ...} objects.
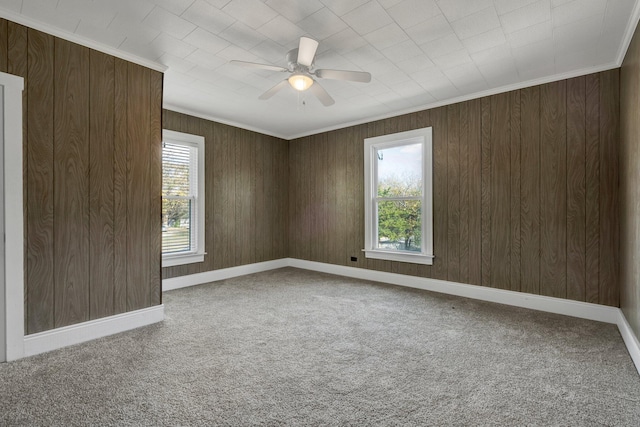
[
  {"x": 300, "y": 82},
  {"x": 301, "y": 67}
]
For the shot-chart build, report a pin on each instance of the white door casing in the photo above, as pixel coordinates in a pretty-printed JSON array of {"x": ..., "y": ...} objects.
[
  {"x": 3, "y": 343},
  {"x": 12, "y": 287}
]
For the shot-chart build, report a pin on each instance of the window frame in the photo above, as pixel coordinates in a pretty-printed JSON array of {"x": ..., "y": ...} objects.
[
  {"x": 196, "y": 254},
  {"x": 371, "y": 146}
]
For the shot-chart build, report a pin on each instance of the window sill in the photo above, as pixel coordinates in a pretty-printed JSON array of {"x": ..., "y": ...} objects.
[
  {"x": 173, "y": 260},
  {"x": 400, "y": 256}
]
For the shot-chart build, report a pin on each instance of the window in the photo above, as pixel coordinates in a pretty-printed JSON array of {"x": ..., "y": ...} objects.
[
  {"x": 182, "y": 198},
  {"x": 398, "y": 197}
]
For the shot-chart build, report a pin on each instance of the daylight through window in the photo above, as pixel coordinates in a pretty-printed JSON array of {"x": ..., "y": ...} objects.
[
  {"x": 398, "y": 195},
  {"x": 182, "y": 198}
]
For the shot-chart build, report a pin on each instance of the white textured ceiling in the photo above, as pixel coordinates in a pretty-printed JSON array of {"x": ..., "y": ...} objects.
[{"x": 421, "y": 53}]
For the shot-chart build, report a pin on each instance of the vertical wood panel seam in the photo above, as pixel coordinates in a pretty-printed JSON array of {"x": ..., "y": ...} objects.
[
  {"x": 113, "y": 195},
  {"x": 53, "y": 194},
  {"x": 520, "y": 193},
  {"x": 126, "y": 187},
  {"x": 600, "y": 196},
  {"x": 586, "y": 190},
  {"x": 516, "y": 249},
  {"x": 151, "y": 196},
  {"x": 540, "y": 195},
  {"x": 25, "y": 140},
  {"x": 490, "y": 172},
  {"x": 519, "y": 217},
  {"x": 510, "y": 175},
  {"x": 90, "y": 261},
  {"x": 566, "y": 185}
]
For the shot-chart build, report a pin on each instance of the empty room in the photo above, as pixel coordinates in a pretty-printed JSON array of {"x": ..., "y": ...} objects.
[{"x": 320, "y": 212}]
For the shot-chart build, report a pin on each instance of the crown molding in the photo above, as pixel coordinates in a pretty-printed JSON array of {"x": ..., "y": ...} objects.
[
  {"x": 83, "y": 41},
  {"x": 628, "y": 34},
  {"x": 187, "y": 111},
  {"x": 482, "y": 94}
]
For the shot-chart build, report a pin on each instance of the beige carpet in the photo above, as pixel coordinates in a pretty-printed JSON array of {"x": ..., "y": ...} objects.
[{"x": 291, "y": 347}]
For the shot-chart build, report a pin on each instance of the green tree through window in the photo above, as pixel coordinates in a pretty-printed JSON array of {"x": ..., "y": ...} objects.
[
  {"x": 399, "y": 221},
  {"x": 399, "y": 197}
]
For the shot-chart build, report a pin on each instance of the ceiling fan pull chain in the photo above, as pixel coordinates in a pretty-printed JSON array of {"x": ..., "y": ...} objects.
[{"x": 302, "y": 103}]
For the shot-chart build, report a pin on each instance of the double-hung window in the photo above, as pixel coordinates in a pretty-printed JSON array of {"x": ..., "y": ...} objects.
[
  {"x": 398, "y": 197},
  {"x": 182, "y": 198}
]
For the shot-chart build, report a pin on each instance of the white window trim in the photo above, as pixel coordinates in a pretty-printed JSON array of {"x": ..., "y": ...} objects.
[
  {"x": 170, "y": 260},
  {"x": 423, "y": 136}
]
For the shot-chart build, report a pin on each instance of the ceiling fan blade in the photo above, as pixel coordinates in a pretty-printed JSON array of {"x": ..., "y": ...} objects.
[
  {"x": 321, "y": 94},
  {"x": 256, "y": 65},
  {"x": 352, "y": 76},
  {"x": 307, "y": 51},
  {"x": 268, "y": 94}
]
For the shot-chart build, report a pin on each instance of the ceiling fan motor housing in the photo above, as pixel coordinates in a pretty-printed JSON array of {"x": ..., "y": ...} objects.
[{"x": 294, "y": 66}]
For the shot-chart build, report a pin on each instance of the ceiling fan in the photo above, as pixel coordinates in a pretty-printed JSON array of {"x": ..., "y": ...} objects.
[{"x": 301, "y": 68}]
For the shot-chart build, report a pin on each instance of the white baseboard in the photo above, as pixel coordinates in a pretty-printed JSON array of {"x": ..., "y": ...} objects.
[
  {"x": 630, "y": 339},
  {"x": 583, "y": 310},
  {"x": 86, "y": 331},
  {"x": 93, "y": 329},
  {"x": 222, "y": 274}
]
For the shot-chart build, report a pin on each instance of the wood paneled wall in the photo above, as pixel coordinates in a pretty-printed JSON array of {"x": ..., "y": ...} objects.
[
  {"x": 630, "y": 184},
  {"x": 246, "y": 195},
  {"x": 92, "y": 161},
  {"x": 525, "y": 191}
]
